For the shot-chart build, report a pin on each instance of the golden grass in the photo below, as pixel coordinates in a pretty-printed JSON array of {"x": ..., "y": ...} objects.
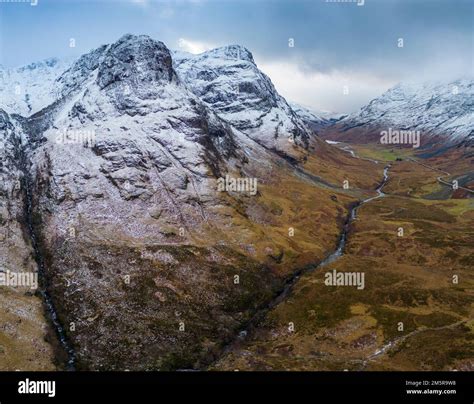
[{"x": 409, "y": 280}]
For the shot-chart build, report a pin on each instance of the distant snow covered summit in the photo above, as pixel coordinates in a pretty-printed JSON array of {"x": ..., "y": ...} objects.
[
  {"x": 443, "y": 112},
  {"x": 228, "y": 80}
]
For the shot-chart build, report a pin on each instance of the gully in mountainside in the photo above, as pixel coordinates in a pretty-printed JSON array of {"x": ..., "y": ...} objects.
[{"x": 33, "y": 232}]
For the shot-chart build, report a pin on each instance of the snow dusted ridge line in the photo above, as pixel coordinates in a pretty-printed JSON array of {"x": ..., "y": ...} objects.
[
  {"x": 443, "y": 109},
  {"x": 225, "y": 79},
  {"x": 228, "y": 81},
  {"x": 28, "y": 89}
]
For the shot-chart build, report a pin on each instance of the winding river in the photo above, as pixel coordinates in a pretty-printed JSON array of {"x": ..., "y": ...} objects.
[{"x": 336, "y": 254}]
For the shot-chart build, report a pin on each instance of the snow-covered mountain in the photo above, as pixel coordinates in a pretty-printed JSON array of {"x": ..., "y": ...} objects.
[
  {"x": 27, "y": 89},
  {"x": 442, "y": 112},
  {"x": 108, "y": 178},
  {"x": 228, "y": 80},
  {"x": 145, "y": 123},
  {"x": 120, "y": 160}
]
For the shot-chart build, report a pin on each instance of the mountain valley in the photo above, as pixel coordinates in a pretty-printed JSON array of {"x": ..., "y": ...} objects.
[{"x": 110, "y": 175}]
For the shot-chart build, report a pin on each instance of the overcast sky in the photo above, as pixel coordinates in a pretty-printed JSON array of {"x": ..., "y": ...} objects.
[{"x": 337, "y": 46}]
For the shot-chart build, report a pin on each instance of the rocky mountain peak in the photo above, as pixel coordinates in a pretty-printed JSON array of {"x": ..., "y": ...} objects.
[
  {"x": 228, "y": 81},
  {"x": 136, "y": 60}
]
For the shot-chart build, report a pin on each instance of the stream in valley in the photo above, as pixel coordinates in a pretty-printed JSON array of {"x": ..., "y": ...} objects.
[{"x": 336, "y": 254}]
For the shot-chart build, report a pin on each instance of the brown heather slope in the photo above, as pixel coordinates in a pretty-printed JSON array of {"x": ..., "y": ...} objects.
[{"x": 408, "y": 279}]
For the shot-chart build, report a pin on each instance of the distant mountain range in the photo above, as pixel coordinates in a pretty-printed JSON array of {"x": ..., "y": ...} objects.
[
  {"x": 27, "y": 89},
  {"x": 316, "y": 120},
  {"x": 228, "y": 81}
]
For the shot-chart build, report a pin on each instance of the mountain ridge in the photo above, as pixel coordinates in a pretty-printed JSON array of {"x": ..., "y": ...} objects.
[
  {"x": 442, "y": 111},
  {"x": 120, "y": 181}
]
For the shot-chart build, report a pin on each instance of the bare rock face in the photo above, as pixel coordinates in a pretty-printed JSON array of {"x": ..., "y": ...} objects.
[{"x": 137, "y": 61}]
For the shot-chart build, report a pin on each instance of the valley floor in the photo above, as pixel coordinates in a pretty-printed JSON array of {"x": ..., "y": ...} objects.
[{"x": 416, "y": 310}]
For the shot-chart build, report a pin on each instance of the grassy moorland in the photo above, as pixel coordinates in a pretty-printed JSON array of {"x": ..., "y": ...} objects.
[{"x": 416, "y": 311}]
